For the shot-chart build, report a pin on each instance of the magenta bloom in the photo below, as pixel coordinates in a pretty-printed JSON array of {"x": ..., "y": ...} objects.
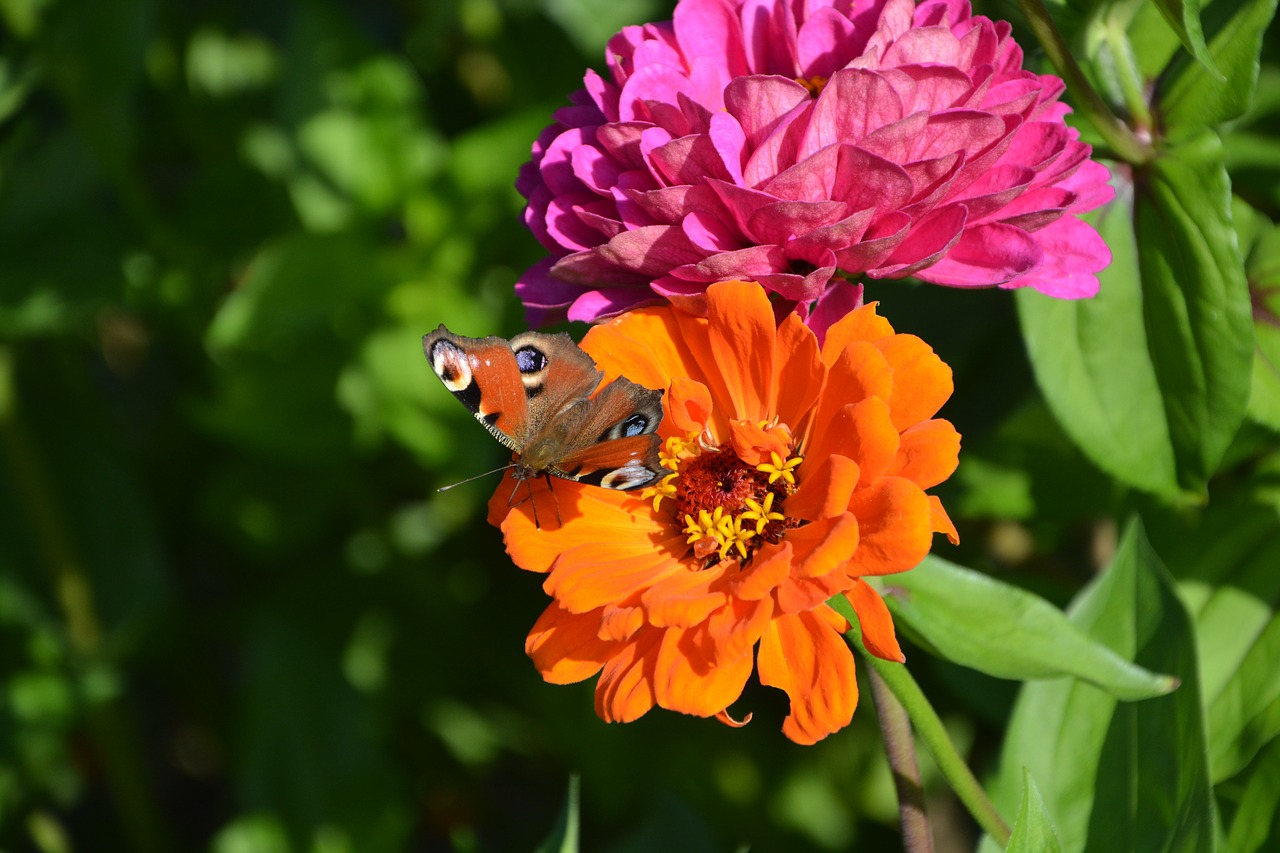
[{"x": 803, "y": 144}]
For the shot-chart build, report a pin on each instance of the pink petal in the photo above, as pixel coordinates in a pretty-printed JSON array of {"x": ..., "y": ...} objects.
[
  {"x": 852, "y": 104},
  {"x": 709, "y": 28},
  {"x": 761, "y": 103},
  {"x": 781, "y": 221},
  {"x": 689, "y": 160},
  {"x": 596, "y": 305},
  {"x": 986, "y": 255},
  {"x": 823, "y": 43},
  {"x": 929, "y": 240},
  {"x": 769, "y": 35},
  {"x": 1073, "y": 252}
]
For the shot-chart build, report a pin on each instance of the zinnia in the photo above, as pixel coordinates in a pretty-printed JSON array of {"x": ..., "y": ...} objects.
[
  {"x": 804, "y": 144},
  {"x": 796, "y": 471}
]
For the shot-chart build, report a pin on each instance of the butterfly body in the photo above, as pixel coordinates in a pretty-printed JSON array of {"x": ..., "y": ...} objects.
[{"x": 537, "y": 395}]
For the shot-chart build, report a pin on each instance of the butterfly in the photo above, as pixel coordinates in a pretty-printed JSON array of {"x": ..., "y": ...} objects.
[{"x": 534, "y": 393}]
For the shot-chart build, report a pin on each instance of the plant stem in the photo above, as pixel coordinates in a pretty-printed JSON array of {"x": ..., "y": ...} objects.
[
  {"x": 107, "y": 720},
  {"x": 929, "y": 727},
  {"x": 900, "y": 748},
  {"x": 1122, "y": 141}
]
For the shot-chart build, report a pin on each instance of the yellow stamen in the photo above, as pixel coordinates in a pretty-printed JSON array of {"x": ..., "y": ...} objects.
[
  {"x": 780, "y": 470},
  {"x": 673, "y": 450},
  {"x": 761, "y": 513},
  {"x": 736, "y": 537},
  {"x": 666, "y": 488}
]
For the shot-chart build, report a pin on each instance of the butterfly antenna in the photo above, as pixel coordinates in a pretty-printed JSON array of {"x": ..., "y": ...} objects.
[{"x": 476, "y": 477}]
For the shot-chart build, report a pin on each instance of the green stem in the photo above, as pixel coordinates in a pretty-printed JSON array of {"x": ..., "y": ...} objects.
[
  {"x": 1122, "y": 141},
  {"x": 107, "y": 720},
  {"x": 900, "y": 749},
  {"x": 930, "y": 730}
]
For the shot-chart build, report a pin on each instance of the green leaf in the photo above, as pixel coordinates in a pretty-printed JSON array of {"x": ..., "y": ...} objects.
[
  {"x": 1195, "y": 301},
  {"x": 1260, "y": 242},
  {"x": 1033, "y": 828},
  {"x": 1092, "y": 362},
  {"x": 1184, "y": 17},
  {"x": 564, "y": 837},
  {"x": 1119, "y": 777},
  {"x": 1189, "y": 95},
  {"x": 1256, "y": 825},
  {"x": 1228, "y": 580},
  {"x": 1023, "y": 636}
]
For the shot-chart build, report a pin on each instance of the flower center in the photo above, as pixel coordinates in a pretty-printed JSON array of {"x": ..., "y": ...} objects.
[
  {"x": 727, "y": 507},
  {"x": 814, "y": 84}
]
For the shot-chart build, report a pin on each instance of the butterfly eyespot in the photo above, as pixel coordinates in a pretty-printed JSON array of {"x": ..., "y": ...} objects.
[
  {"x": 530, "y": 359},
  {"x": 634, "y": 425}
]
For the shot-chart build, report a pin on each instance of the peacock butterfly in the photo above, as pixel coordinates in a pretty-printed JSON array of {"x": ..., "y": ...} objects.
[{"x": 534, "y": 393}]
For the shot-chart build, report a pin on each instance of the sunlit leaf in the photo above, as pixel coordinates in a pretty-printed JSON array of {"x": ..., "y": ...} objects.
[
  {"x": 1092, "y": 361},
  {"x": 1195, "y": 302},
  {"x": 1184, "y": 17},
  {"x": 1033, "y": 828},
  {"x": 975, "y": 620},
  {"x": 1190, "y": 95},
  {"x": 1119, "y": 776}
]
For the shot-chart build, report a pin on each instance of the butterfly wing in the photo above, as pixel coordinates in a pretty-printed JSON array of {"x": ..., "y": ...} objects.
[
  {"x": 556, "y": 374},
  {"x": 613, "y": 444},
  {"x": 484, "y": 375}
]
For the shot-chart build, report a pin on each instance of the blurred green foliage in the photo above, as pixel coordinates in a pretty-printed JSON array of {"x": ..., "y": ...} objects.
[{"x": 235, "y": 614}]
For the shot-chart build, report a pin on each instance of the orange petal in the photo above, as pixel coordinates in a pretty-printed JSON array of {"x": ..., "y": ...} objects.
[
  {"x": 878, "y": 634},
  {"x": 683, "y": 599},
  {"x": 742, "y": 333},
  {"x": 687, "y": 682},
  {"x": 861, "y": 324},
  {"x": 771, "y": 566},
  {"x": 825, "y": 492},
  {"x": 921, "y": 380},
  {"x": 586, "y": 514},
  {"x": 801, "y": 595},
  {"x": 896, "y": 522},
  {"x": 696, "y": 337},
  {"x": 801, "y": 655},
  {"x": 822, "y": 552},
  {"x": 823, "y": 546},
  {"x": 929, "y": 453},
  {"x": 798, "y": 372},
  {"x": 645, "y": 346},
  {"x": 865, "y": 433},
  {"x": 753, "y": 443},
  {"x": 942, "y": 521},
  {"x": 733, "y": 630},
  {"x": 838, "y": 623},
  {"x": 565, "y": 647},
  {"x": 620, "y": 622},
  {"x": 518, "y": 500},
  {"x": 594, "y": 575},
  {"x": 625, "y": 689},
  {"x": 688, "y": 407},
  {"x": 858, "y": 373}
]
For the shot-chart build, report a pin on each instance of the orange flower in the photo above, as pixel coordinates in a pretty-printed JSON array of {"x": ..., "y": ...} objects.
[{"x": 796, "y": 470}]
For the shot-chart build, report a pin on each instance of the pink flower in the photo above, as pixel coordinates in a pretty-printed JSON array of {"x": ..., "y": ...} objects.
[{"x": 804, "y": 144}]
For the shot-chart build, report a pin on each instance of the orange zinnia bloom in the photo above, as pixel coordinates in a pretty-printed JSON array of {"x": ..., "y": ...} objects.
[{"x": 796, "y": 470}]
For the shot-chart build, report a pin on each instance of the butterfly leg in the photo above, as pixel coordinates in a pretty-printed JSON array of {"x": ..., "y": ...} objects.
[
  {"x": 534, "y": 503},
  {"x": 556, "y": 500}
]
